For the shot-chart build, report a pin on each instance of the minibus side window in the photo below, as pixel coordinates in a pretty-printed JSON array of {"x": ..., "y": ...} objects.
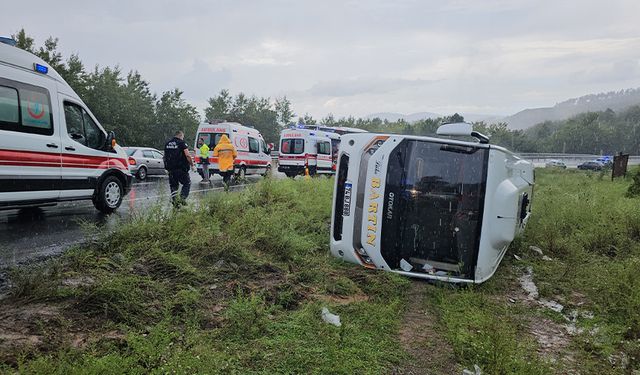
[
  {"x": 254, "y": 146},
  {"x": 25, "y": 108}
]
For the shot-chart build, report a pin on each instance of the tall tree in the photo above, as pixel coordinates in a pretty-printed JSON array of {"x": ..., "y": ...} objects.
[
  {"x": 23, "y": 41},
  {"x": 174, "y": 113},
  {"x": 284, "y": 113}
]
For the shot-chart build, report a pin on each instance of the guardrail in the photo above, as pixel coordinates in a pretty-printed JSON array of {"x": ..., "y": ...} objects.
[{"x": 569, "y": 158}]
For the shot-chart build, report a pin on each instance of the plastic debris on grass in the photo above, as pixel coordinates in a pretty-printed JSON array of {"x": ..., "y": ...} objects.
[
  {"x": 406, "y": 266},
  {"x": 476, "y": 371},
  {"x": 330, "y": 318}
]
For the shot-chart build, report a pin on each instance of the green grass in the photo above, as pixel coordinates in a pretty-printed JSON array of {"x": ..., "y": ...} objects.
[
  {"x": 232, "y": 286},
  {"x": 236, "y": 285}
]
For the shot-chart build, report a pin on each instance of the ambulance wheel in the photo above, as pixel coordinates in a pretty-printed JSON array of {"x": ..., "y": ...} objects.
[
  {"x": 109, "y": 195},
  {"x": 142, "y": 174}
]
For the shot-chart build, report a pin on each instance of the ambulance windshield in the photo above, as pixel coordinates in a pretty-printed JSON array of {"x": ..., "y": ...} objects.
[{"x": 433, "y": 207}]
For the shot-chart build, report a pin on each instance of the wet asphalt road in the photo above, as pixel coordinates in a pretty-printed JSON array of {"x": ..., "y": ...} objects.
[{"x": 36, "y": 233}]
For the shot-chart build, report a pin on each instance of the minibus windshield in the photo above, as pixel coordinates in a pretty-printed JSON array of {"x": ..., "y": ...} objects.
[{"x": 433, "y": 207}]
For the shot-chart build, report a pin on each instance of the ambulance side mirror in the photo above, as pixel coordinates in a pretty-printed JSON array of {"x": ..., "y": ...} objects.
[{"x": 111, "y": 141}]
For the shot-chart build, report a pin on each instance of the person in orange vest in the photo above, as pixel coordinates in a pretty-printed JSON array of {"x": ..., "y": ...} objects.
[{"x": 226, "y": 154}]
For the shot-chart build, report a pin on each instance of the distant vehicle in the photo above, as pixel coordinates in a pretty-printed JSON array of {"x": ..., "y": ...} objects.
[
  {"x": 312, "y": 147},
  {"x": 554, "y": 163},
  {"x": 606, "y": 161},
  {"x": 591, "y": 166},
  {"x": 425, "y": 207},
  {"x": 145, "y": 161},
  {"x": 253, "y": 154},
  {"x": 52, "y": 148}
]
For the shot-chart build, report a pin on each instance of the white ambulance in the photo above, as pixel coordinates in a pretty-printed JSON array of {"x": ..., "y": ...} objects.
[
  {"x": 431, "y": 208},
  {"x": 310, "y": 146},
  {"x": 253, "y": 153},
  {"x": 52, "y": 148}
]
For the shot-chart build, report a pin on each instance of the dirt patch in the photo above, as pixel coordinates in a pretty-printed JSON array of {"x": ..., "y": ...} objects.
[
  {"x": 420, "y": 337},
  {"x": 26, "y": 326}
]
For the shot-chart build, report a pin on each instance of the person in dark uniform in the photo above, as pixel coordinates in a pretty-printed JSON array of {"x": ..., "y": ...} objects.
[{"x": 177, "y": 161}]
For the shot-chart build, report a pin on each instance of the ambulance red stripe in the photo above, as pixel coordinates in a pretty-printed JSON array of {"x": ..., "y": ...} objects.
[{"x": 56, "y": 160}]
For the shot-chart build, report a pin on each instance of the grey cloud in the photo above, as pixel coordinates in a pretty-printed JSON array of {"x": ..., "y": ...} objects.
[
  {"x": 351, "y": 87},
  {"x": 202, "y": 82}
]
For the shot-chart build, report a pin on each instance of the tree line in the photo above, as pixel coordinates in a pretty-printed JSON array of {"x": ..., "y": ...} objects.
[{"x": 125, "y": 104}]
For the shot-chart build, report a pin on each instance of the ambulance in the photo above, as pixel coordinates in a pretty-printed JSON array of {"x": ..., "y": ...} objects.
[
  {"x": 311, "y": 147},
  {"x": 52, "y": 148},
  {"x": 253, "y": 154},
  {"x": 433, "y": 208}
]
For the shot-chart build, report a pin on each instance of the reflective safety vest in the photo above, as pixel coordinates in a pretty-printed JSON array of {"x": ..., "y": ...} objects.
[{"x": 204, "y": 151}]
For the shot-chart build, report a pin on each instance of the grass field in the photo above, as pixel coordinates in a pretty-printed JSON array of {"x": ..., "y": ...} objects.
[{"x": 236, "y": 285}]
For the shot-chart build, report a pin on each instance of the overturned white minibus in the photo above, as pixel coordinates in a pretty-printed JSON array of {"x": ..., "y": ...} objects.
[{"x": 433, "y": 208}]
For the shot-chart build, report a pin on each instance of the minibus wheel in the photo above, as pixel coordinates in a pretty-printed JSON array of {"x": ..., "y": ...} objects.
[{"x": 109, "y": 195}]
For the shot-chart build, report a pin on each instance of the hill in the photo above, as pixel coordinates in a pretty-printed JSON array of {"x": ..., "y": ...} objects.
[{"x": 615, "y": 100}]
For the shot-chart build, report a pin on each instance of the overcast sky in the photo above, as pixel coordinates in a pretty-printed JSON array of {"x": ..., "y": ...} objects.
[{"x": 355, "y": 57}]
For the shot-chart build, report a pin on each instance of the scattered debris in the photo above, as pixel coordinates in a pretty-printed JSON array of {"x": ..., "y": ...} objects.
[
  {"x": 517, "y": 257},
  {"x": 330, "y": 318},
  {"x": 406, "y": 266},
  {"x": 512, "y": 300},
  {"x": 526, "y": 282},
  {"x": 476, "y": 371},
  {"x": 427, "y": 267},
  {"x": 550, "y": 336},
  {"x": 536, "y": 249},
  {"x": 619, "y": 360},
  {"x": 547, "y": 258},
  {"x": 551, "y": 304}
]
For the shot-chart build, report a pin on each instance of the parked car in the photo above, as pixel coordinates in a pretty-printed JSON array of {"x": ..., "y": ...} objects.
[
  {"x": 52, "y": 148},
  {"x": 606, "y": 161},
  {"x": 145, "y": 161},
  {"x": 591, "y": 166},
  {"x": 554, "y": 163}
]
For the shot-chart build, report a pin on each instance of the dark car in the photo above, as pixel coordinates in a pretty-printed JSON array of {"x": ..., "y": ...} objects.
[{"x": 591, "y": 166}]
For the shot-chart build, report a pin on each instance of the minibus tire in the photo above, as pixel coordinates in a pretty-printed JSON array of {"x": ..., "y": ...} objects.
[
  {"x": 242, "y": 173},
  {"x": 141, "y": 174},
  {"x": 109, "y": 195}
]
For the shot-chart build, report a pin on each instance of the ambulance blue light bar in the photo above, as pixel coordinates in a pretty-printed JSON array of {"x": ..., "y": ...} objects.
[{"x": 40, "y": 68}]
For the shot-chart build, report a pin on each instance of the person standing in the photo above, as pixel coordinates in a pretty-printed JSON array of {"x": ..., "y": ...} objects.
[
  {"x": 204, "y": 160},
  {"x": 226, "y": 154},
  {"x": 177, "y": 161}
]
